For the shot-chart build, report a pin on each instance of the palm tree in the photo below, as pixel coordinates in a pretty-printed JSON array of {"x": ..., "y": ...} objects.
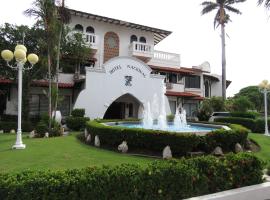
[
  {"x": 46, "y": 13},
  {"x": 265, "y": 2},
  {"x": 64, "y": 18},
  {"x": 221, "y": 18}
]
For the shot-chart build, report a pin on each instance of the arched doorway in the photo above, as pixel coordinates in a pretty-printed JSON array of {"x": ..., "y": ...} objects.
[{"x": 126, "y": 106}]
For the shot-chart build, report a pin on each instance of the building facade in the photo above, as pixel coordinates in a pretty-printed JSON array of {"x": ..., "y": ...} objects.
[{"x": 125, "y": 74}]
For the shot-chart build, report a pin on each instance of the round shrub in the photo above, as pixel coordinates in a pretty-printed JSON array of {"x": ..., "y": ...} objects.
[
  {"x": 78, "y": 112},
  {"x": 76, "y": 123},
  {"x": 41, "y": 128}
]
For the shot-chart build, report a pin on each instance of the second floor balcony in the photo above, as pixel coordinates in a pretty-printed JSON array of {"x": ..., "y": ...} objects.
[
  {"x": 90, "y": 39},
  {"x": 142, "y": 51},
  {"x": 146, "y": 52}
]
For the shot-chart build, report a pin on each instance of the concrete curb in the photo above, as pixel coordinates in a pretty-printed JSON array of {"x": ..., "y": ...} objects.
[{"x": 254, "y": 192}]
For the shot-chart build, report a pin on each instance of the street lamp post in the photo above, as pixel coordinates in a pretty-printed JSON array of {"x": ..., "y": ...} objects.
[
  {"x": 21, "y": 59},
  {"x": 264, "y": 87}
]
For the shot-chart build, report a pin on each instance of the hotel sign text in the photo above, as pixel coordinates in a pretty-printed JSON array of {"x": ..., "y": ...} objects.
[{"x": 128, "y": 67}]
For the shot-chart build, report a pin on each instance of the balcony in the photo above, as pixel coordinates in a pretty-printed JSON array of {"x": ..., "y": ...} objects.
[
  {"x": 92, "y": 40},
  {"x": 175, "y": 87},
  {"x": 142, "y": 51},
  {"x": 165, "y": 59},
  {"x": 89, "y": 38}
]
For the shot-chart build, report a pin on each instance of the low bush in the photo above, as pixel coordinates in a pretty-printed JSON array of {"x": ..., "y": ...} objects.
[
  {"x": 255, "y": 125},
  {"x": 156, "y": 140},
  {"x": 260, "y": 126},
  {"x": 41, "y": 128},
  {"x": 170, "y": 118},
  {"x": 251, "y": 115},
  {"x": 78, "y": 112},
  {"x": 226, "y": 139},
  {"x": 76, "y": 123},
  {"x": 159, "y": 180},
  {"x": 246, "y": 122},
  {"x": 6, "y": 126}
]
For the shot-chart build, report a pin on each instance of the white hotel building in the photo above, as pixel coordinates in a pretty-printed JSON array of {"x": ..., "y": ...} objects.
[{"x": 125, "y": 72}]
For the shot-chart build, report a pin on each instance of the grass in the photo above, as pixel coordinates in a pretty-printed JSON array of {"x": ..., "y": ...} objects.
[
  {"x": 264, "y": 142},
  {"x": 57, "y": 153}
]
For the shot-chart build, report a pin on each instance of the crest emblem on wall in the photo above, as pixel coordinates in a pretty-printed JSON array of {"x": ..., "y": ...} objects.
[{"x": 128, "y": 80}]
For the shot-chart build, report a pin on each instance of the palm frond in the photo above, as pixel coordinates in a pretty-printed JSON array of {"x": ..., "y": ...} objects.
[
  {"x": 232, "y": 9},
  {"x": 230, "y": 2},
  {"x": 265, "y": 2},
  {"x": 208, "y": 8}
]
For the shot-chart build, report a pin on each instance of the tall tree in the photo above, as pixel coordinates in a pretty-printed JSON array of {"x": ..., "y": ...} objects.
[
  {"x": 64, "y": 18},
  {"x": 221, "y": 18},
  {"x": 46, "y": 13},
  {"x": 10, "y": 35}
]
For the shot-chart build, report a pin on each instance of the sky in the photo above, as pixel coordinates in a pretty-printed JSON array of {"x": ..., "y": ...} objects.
[{"x": 193, "y": 37}]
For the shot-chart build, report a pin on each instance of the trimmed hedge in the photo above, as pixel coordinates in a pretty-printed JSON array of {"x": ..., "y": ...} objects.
[
  {"x": 159, "y": 180},
  {"x": 255, "y": 125},
  {"x": 78, "y": 112},
  {"x": 226, "y": 139},
  {"x": 246, "y": 122},
  {"x": 251, "y": 115},
  {"x": 7, "y": 126},
  {"x": 156, "y": 140},
  {"x": 76, "y": 123}
]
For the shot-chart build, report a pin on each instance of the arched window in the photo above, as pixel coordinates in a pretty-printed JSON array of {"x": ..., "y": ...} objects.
[
  {"x": 90, "y": 29},
  {"x": 78, "y": 27},
  {"x": 142, "y": 40},
  {"x": 133, "y": 38}
]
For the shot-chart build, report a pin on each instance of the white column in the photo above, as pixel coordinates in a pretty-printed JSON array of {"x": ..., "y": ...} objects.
[
  {"x": 19, "y": 144},
  {"x": 265, "y": 113}
]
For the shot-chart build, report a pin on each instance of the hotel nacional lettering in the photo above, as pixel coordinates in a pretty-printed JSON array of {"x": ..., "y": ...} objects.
[{"x": 127, "y": 67}]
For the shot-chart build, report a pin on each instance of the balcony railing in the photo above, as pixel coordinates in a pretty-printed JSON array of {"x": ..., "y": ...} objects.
[
  {"x": 89, "y": 38},
  {"x": 141, "y": 49},
  {"x": 167, "y": 59}
]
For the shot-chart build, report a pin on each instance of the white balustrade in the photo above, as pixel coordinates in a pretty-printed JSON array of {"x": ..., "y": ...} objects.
[
  {"x": 165, "y": 58},
  {"x": 143, "y": 49},
  {"x": 90, "y": 38}
]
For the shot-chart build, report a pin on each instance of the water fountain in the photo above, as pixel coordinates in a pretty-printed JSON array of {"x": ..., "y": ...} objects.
[
  {"x": 177, "y": 122},
  {"x": 162, "y": 118},
  {"x": 180, "y": 119},
  {"x": 155, "y": 117},
  {"x": 147, "y": 117}
]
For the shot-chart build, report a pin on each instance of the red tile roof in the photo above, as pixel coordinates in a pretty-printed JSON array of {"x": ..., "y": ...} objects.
[
  {"x": 175, "y": 70},
  {"x": 181, "y": 94},
  {"x": 5, "y": 80},
  {"x": 184, "y": 94},
  {"x": 43, "y": 83}
]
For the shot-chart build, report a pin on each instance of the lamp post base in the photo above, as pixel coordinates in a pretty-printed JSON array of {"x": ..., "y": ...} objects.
[{"x": 18, "y": 146}]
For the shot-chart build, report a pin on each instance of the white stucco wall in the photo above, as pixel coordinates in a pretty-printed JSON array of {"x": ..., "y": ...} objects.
[
  {"x": 216, "y": 87},
  {"x": 12, "y": 103},
  {"x": 101, "y": 28},
  {"x": 105, "y": 85}
]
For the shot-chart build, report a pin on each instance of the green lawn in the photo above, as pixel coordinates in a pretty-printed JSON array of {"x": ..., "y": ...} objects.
[
  {"x": 264, "y": 142},
  {"x": 57, "y": 153}
]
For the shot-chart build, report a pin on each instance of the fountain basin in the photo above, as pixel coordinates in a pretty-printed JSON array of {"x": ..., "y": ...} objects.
[{"x": 189, "y": 128}]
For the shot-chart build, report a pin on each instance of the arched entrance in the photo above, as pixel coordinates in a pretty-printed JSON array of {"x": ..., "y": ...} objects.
[{"x": 126, "y": 106}]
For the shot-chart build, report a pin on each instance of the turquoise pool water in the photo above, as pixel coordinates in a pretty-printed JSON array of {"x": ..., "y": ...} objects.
[{"x": 171, "y": 127}]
